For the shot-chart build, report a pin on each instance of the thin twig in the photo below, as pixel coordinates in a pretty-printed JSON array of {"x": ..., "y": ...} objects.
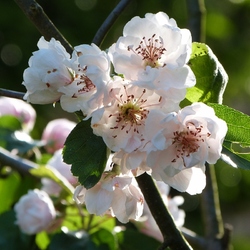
[
  {"x": 217, "y": 237},
  {"x": 197, "y": 19},
  {"x": 196, "y": 241},
  {"x": 107, "y": 24},
  {"x": 21, "y": 165},
  {"x": 211, "y": 206},
  {"x": 172, "y": 236},
  {"x": 11, "y": 93},
  {"x": 42, "y": 22}
]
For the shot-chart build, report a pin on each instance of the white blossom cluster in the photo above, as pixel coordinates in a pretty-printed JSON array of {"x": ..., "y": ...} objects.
[{"x": 135, "y": 109}]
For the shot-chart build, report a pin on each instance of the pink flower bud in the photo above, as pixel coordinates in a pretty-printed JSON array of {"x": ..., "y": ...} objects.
[
  {"x": 34, "y": 212},
  {"x": 55, "y": 134},
  {"x": 20, "y": 109}
]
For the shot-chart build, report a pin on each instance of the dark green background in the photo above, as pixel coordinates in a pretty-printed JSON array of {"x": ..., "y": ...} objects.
[{"x": 227, "y": 33}]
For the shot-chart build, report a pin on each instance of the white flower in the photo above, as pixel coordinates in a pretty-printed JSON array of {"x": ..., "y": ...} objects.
[
  {"x": 34, "y": 212},
  {"x": 20, "y": 109},
  {"x": 121, "y": 124},
  {"x": 48, "y": 70},
  {"x": 185, "y": 141},
  {"x": 153, "y": 51},
  {"x": 55, "y": 134},
  {"x": 118, "y": 194},
  {"x": 90, "y": 70},
  {"x": 134, "y": 161},
  {"x": 51, "y": 187}
]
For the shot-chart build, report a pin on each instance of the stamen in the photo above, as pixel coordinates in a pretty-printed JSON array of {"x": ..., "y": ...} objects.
[
  {"x": 188, "y": 141},
  {"x": 150, "y": 50},
  {"x": 86, "y": 85}
]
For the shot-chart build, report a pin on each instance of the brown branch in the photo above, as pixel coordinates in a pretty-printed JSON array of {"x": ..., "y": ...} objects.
[
  {"x": 11, "y": 93},
  {"x": 42, "y": 22},
  {"x": 197, "y": 19},
  {"x": 107, "y": 24},
  {"x": 21, "y": 165},
  {"x": 172, "y": 236}
]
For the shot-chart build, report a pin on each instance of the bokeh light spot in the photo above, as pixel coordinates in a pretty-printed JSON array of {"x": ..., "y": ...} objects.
[
  {"x": 11, "y": 54},
  {"x": 85, "y": 5}
]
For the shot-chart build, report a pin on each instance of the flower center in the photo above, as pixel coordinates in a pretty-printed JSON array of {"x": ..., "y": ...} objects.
[
  {"x": 131, "y": 112},
  {"x": 150, "y": 50},
  {"x": 188, "y": 141},
  {"x": 83, "y": 82}
]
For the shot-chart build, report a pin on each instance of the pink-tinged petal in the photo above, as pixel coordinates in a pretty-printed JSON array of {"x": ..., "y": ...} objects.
[
  {"x": 79, "y": 194},
  {"x": 34, "y": 212},
  {"x": 98, "y": 200},
  {"x": 118, "y": 206},
  {"x": 154, "y": 52},
  {"x": 190, "y": 180}
]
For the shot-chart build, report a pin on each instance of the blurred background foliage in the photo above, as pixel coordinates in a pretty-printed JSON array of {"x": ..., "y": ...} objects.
[{"x": 227, "y": 34}]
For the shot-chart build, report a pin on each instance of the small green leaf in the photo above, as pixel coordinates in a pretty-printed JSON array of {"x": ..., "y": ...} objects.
[
  {"x": 72, "y": 220},
  {"x": 237, "y": 140},
  {"x": 211, "y": 78},
  {"x": 77, "y": 240},
  {"x": 238, "y": 124},
  {"x": 10, "y": 122},
  {"x": 104, "y": 239},
  {"x": 236, "y": 159},
  {"x": 8, "y": 191},
  {"x": 53, "y": 174},
  {"x": 87, "y": 153},
  {"x": 42, "y": 240},
  {"x": 11, "y": 136},
  {"x": 98, "y": 222},
  {"x": 134, "y": 240}
]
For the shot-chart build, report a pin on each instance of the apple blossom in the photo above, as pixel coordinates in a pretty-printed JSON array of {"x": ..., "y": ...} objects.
[
  {"x": 121, "y": 124},
  {"x": 153, "y": 51},
  {"x": 118, "y": 194},
  {"x": 51, "y": 187},
  {"x": 20, "y": 109},
  {"x": 91, "y": 73},
  {"x": 48, "y": 70},
  {"x": 55, "y": 134},
  {"x": 34, "y": 212},
  {"x": 185, "y": 141}
]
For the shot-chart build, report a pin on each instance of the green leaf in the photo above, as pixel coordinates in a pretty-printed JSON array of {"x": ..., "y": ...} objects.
[
  {"x": 134, "y": 240},
  {"x": 104, "y": 239},
  {"x": 237, "y": 140},
  {"x": 11, "y": 237},
  {"x": 72, "y": 220},
  {"x": 77, "y": 240},
  {"x": 101, "y": 222},
  {"x": 8, "y": 191},
  {"x": 42, "y": 240},
  {"x": 53, "y": 174},
  {"x": 12, "y": 138},
  {"x": 87, "y": 153},
  {"x": 211, "y": 78},
  {"x": 10, "y": 122},
  {"x": 235, "y": 160}
]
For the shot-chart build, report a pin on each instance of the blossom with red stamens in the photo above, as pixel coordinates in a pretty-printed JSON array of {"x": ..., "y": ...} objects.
[
  {"x": 122, "y": 123},
  {"x": 185, "y": 141}
]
